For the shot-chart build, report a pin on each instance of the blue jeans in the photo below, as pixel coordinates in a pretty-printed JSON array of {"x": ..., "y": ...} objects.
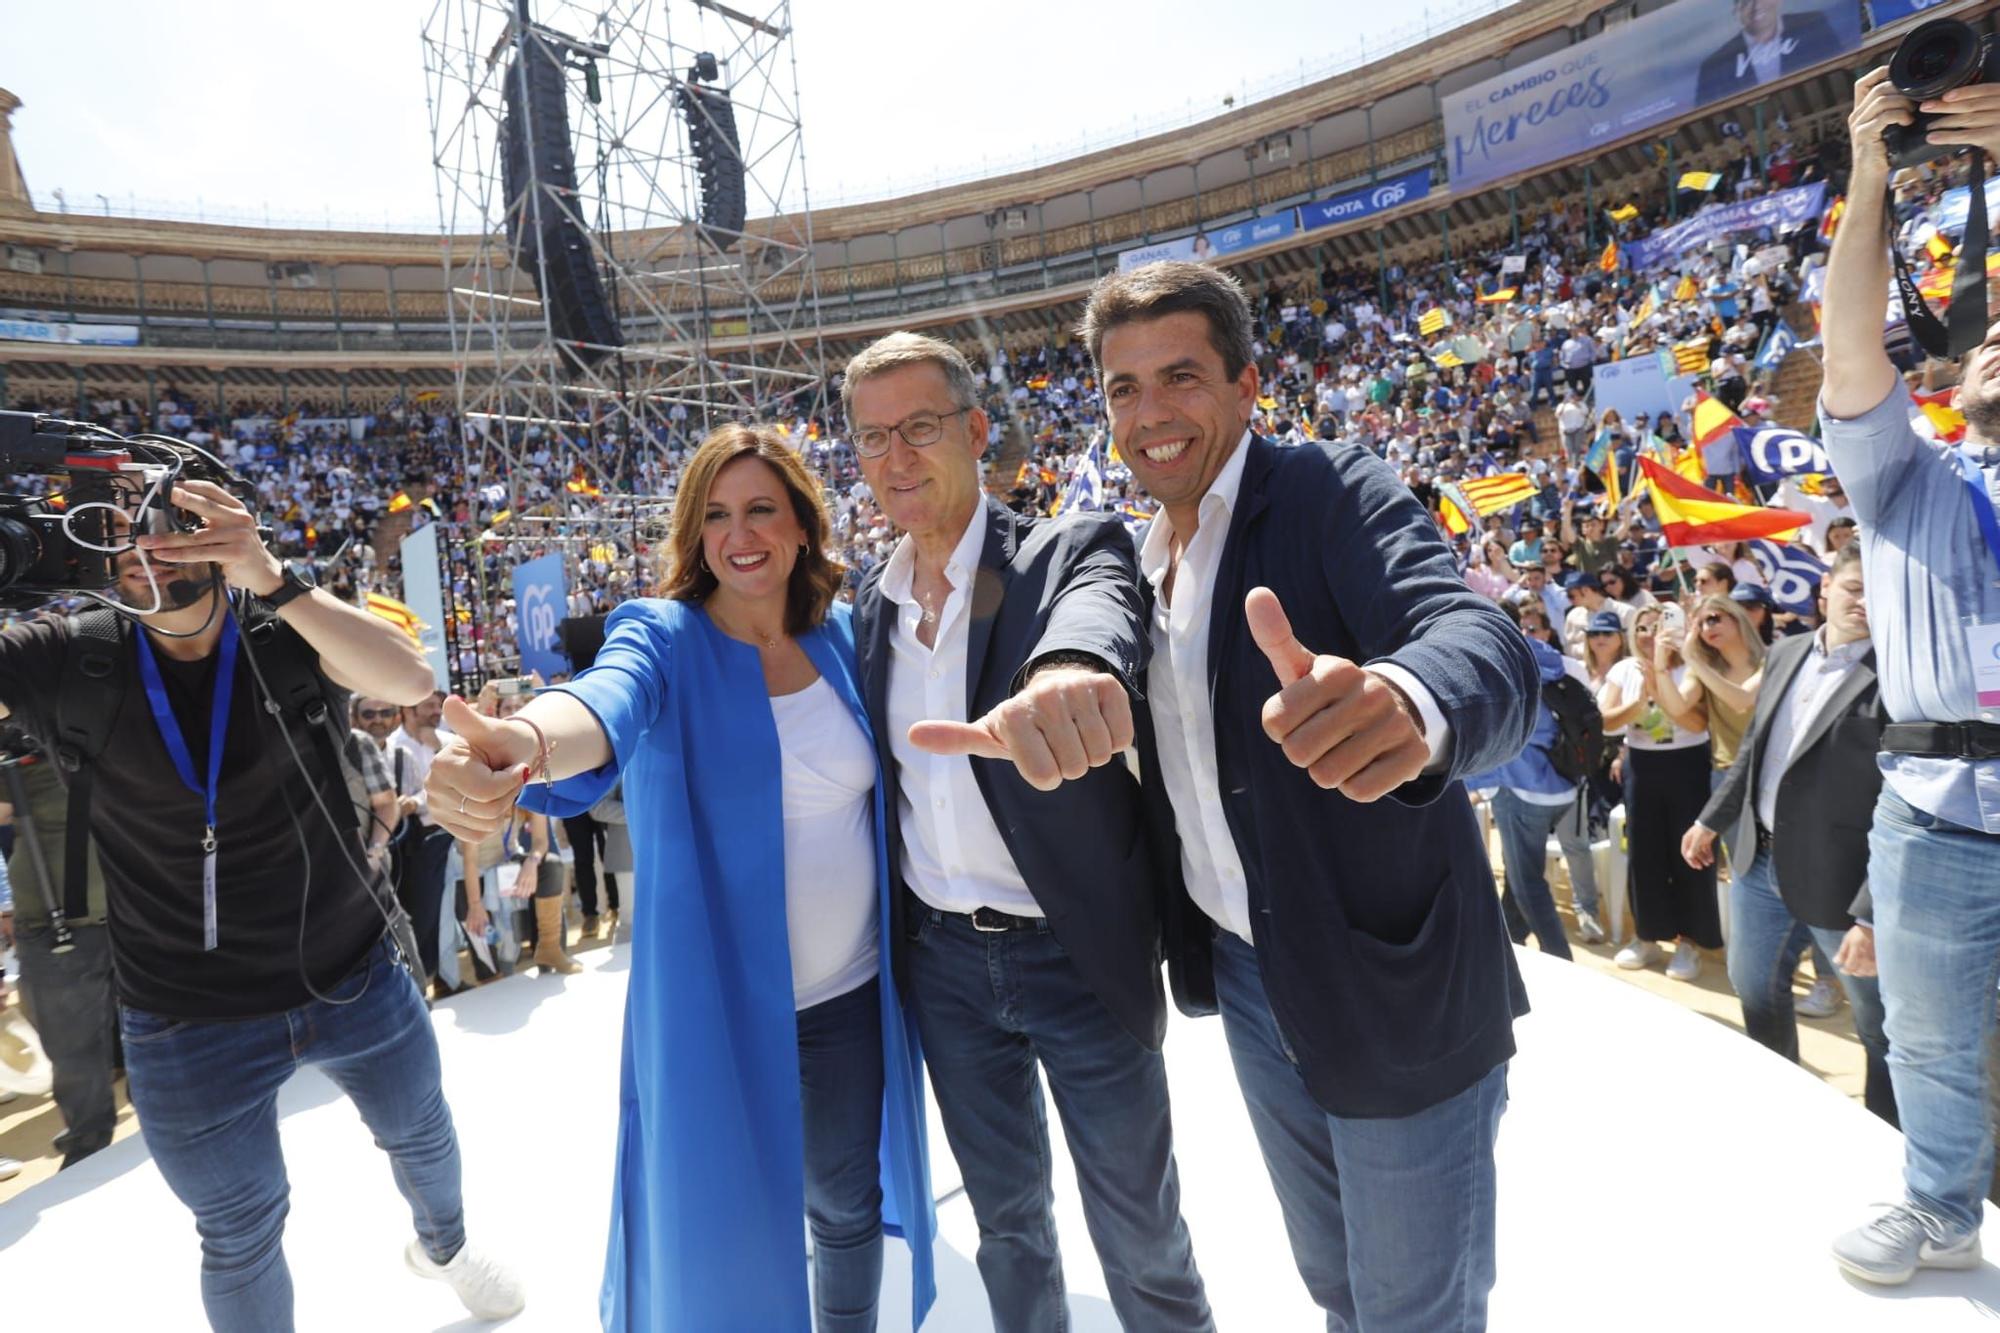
[
  {"x": 1765, "y": 941},
  {"x": 1937, "y": 943},
  {"x": 989, "y": 1006},
  {"x": 1391, "y": 1221},
  {"x": 840, "y": 1097},
  {"x": 1524, "y": 839},
  {"x": 207, "y": 1098}
]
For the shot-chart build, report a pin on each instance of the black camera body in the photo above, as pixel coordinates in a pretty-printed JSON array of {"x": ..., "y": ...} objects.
[
  {"x": 1930, "y": 61},
  {"x": 65, "y": 542}
]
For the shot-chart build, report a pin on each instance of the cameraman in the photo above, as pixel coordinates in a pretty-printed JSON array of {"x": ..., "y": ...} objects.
[
  {"x": 1931, "y": 551},
  {"x": 244, "y": 941}
]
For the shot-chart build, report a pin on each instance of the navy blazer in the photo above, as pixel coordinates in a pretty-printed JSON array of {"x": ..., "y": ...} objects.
[
  {"x": 1047, "y": 586},
  {"x": 1377, "y": 926}
]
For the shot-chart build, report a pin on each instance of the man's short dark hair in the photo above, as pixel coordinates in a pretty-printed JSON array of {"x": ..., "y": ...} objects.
[
  {"x": 1169, "y": 287},
  {"x": 1849, "y": 554}
]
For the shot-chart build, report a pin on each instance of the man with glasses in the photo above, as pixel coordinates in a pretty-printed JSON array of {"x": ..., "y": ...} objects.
[{"x": 999, "y": 656}]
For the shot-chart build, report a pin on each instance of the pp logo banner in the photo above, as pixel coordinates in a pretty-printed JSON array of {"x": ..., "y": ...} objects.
[{"x": 541, "y": 600}]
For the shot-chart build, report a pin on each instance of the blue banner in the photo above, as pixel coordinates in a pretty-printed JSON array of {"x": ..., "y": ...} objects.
[
  {"x": 1792, "y": 573},
  {"x": 1368, "y": 199},
  {"x": 1771, "y": 452},
  {"x": 1782, "y": 211},
  {"x": 1777, "y": 346},
  {"x": 1953, "y": 204},
  {"x": 1885, "y": 12},
  {"x": 1637, "y": 74},
  {"x": 1639, "y": 384},
  {"x": 1255, "y": 232},
  {"x": 541, "y": 600}
]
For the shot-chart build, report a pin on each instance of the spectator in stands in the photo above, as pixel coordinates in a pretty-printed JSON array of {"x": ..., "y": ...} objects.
[
  {"x": 1586, "y": 600},
  {"x": 1573, "y": 425},
  {"x": 1666, "y": 775},
  {"x": 1755, "y": 599},
  {"x": 1714, "y": 579},
  {"x": 1793, "y": 817},
  {"x": 1620, "y": 585},
  {"x": 1494, "y": 574},
  {"x": 1725, "y": 667},
  {"x": 421, "y": 882}
]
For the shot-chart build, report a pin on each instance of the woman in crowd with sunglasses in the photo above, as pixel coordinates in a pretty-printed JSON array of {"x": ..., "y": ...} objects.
[{"x": 1725, "y": 665}]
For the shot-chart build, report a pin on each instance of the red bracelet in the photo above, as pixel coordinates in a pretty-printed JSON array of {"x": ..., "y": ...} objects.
[{"x": 543, "y": 750}]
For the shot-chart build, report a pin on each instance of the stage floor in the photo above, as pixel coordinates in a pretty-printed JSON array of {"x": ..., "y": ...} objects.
[{"x": 1754, "y": 1165}]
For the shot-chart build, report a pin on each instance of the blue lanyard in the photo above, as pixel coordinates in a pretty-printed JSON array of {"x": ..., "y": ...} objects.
[
  {"x": 1982, "y": 500},
  {"x": 218, "y": 730}
]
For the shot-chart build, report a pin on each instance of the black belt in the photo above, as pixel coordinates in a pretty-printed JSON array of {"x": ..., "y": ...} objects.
[
  {"x": 986, "y": 920},
  {"x": 1763, "y": 838},
  {"x": 1943, "y": 740}
]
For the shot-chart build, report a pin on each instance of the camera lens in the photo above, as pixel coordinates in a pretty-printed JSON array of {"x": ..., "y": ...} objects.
[
  {"x": 20, "y": 547},
  {"x": 1935, "y": 58}
]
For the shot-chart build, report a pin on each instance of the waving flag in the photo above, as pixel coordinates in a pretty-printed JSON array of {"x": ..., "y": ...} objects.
[
  {"x": 399, "y": 502},
  {"x": 1771, "y": 452},
  {"x": 1692, "y": 515},
  {"x": 395, "y": 613},
  {"x": 1600, "y": 450},
  {"x": 1685, "y": 289},
  {"x": 1700, "y": 180},
  {"x": 1829, "y": 221},
  {"x": 1793, "y": 573},
  {"x": 1777, "y": 346},
  {"x": 1432, "y": 321},
  {"x": 1490, "y": 495},
  {"x": 1711, "y": 419},
  {"x": 1947, "y": 422},
  {"x": 1455, "y": 521},
  {"x": 1496, "y": 297},
  {"x": 1608, "y": 261},
  {"x": 1446, "y": 360},
  {"x": 1623, "y": 213},
  {"x": 1691, "y": 358},
  {"x": 1085, "y": 491}
]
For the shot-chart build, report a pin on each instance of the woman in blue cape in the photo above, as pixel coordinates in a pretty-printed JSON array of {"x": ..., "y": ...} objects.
[{"x": 768, "y": 1071}]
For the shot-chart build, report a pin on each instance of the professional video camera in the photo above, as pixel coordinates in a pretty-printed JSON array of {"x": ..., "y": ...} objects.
[
  {"x": 1929, "y": 62},
  {"x": 67, "y": 541}
]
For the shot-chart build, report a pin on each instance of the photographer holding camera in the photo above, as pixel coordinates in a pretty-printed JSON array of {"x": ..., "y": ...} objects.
[
  {"x": 246, "y": 932},
  {"x": 1931, "y": 551}
]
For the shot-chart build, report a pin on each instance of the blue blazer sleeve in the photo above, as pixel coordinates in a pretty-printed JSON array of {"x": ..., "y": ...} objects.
[
  {"x": 1397, "y": 588},
  {"x": 625, "y": 689},
  {"x": 1097, "y": 608}
]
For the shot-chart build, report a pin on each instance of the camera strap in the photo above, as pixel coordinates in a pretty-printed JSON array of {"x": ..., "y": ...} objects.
[{"x": 1964, "y": 325}]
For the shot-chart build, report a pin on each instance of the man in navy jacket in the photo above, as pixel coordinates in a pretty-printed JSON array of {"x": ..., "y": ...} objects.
[{"x": 1314, "y": 652}]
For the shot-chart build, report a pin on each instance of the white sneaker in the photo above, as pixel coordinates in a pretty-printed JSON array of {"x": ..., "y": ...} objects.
[
  {"x": 1588, "y": 930},
  {"x": 1638, "y": 954},
  {"x": 9, "y": 1168},
  {"x": 1686, "y": 964},
  {"x": 1822, "y": 1001},
  {"x": 487, "y": 1290}
]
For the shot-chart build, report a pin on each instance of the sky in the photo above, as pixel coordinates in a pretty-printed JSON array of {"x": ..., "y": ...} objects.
[{"x": 314, "y": 115}]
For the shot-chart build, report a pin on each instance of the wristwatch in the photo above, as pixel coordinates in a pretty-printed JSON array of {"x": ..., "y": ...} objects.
[{"x": 291, "y": 584}]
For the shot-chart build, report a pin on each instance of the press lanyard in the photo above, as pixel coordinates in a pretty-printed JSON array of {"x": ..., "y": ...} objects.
[
  {"x": 1982, "y": 501},
  {"x": 218, "y": 730}
]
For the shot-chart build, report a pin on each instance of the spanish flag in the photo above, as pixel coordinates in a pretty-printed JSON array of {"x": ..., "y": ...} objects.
[
  {"x": 1693, "y": 515},
  {"x": 1712, "y": 419},
  {"x": 395, "y": 613},
  {"x": 1608, "y": 261},
  {"x": 1038, "y": 382},
  {"x": 581, "y": 487},
  {"x": 1455, "y": 522},
  {"x": 1490, "y": 495},
  {"x": 1623, "y": 213},
  {"x": 1700, "y": 180},
  {"x": 1947, "y": 422},
  {"x": 400, "y": 502},
  {"x": 1829, "y": 221},
  {"x": 1496, "y": 298},
  {"x": 1432, "y": 321}
]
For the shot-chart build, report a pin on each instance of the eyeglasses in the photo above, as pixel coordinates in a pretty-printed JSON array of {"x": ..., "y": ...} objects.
[
  {"x": 920, "y": 430},
  {"x": 376, "y": 714}
]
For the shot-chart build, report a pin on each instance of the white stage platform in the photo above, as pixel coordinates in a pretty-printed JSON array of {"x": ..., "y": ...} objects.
[{"x": 1657, "y": 1171}]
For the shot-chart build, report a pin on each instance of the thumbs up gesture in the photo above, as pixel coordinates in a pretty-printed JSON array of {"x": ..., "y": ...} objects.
[
  {"x": 478, "y": 772},
  {"x": 1064, "y": 722},
  {"x": 1349, "y": 728}
]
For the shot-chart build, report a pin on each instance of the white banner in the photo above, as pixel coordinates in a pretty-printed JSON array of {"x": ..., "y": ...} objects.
[
  {"x": 423, "y": 595},
  {"x": 74, "y": 335}
]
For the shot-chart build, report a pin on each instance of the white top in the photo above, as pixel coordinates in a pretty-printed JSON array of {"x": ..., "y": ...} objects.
[
  {"x": 1177, "y": 690},
  {"x": 1652, "y": 729},
  {"x": 417, "y": 758},
  {"x": 828, "y": 777},
  {"x": 1815, "y": 682},
  {"x": 953, "y": 855}
]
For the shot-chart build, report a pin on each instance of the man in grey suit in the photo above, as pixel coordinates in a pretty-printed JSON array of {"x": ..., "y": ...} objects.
[{"x": 1794, "y": 813}]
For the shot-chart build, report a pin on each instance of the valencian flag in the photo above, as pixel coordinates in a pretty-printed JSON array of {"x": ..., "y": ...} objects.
[
  {"x": 1455, "y": 521},
  {"x": 1947, "y": 422},
  {"x": 1432, "y": 321},
  {"x": 1691, "y": 358},
  {"x": 1490, "y": 495},
  {"x": 1693, "y": 515},
  {"x": 1685, "y": 290},
  {"x": 1623, "y": 213},
  {"x": 1608, "y": 261},
  {"x": 1712, "y": 418},
  {"x": 1446, "y": 360},
  {"x": 1700, "y": 180},
  {"x": 395, "y": 613}
]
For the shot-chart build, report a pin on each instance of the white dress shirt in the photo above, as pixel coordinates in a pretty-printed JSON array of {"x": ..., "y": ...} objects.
[
  {"x": 1177, "y": 692},
  {"x": 417, "y": 758},
  {"x": 953, "y": 856},
  {"x": 1814, "y": 683}
]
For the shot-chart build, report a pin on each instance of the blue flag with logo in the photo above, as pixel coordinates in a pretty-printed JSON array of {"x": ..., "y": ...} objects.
[
  {"x": 540, "y": 602},
  {"x": 1772, "y": 452},
  {"x": 1792, "y": 572},
  {"x": 1778, "y": 345}
]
